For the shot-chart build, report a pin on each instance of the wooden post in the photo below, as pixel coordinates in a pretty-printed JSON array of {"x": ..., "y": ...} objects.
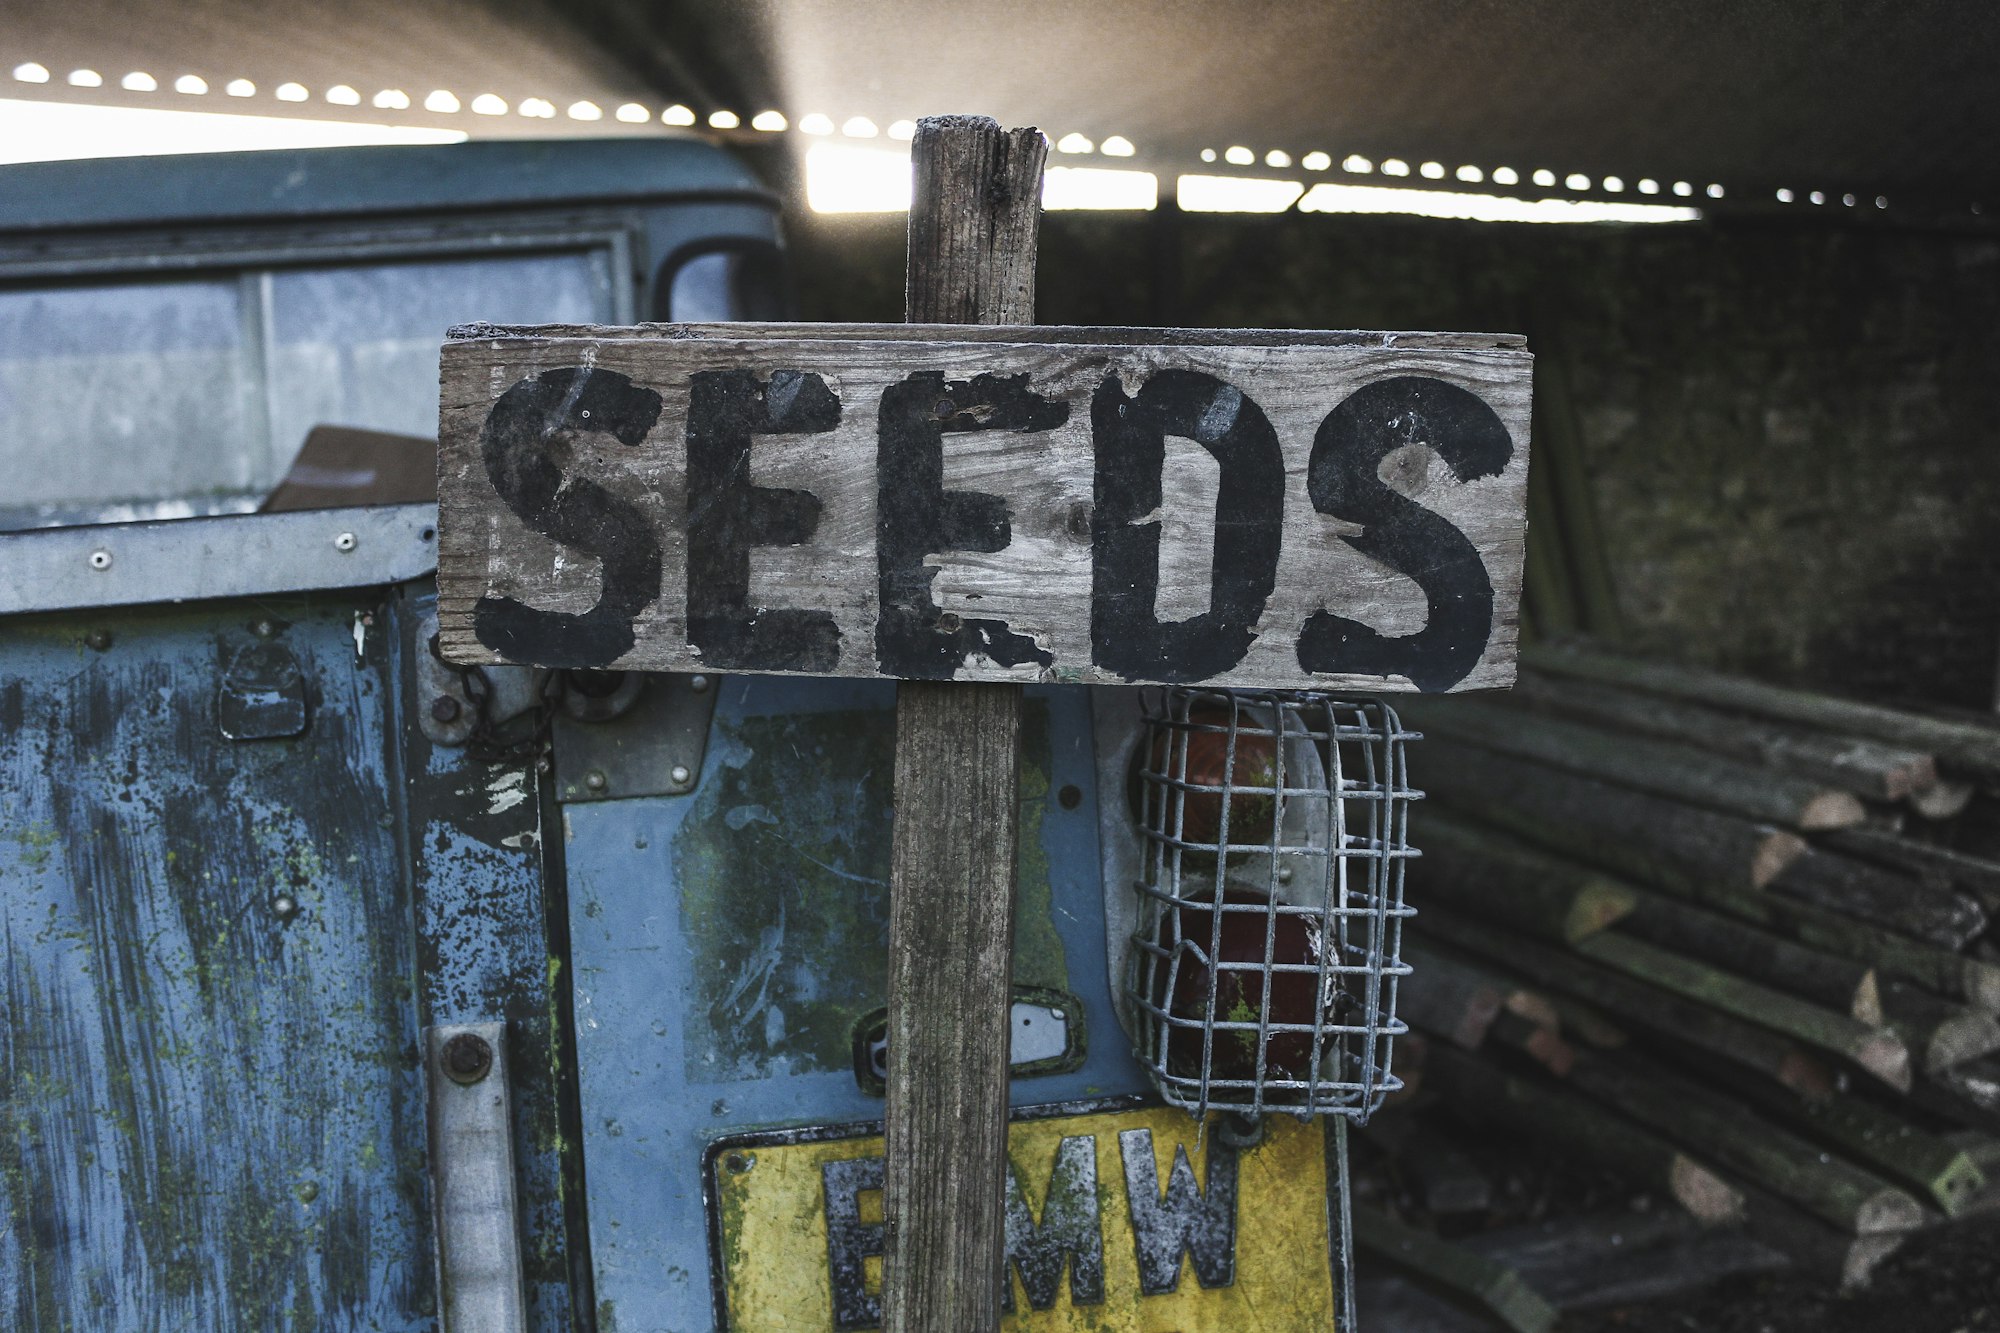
[{"x": 974, "y": 216}]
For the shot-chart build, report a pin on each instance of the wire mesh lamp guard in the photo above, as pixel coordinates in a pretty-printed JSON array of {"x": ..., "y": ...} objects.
[{"x": 1264, "y": 967}]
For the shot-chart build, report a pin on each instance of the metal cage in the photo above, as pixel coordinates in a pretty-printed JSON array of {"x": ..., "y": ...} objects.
[{"x": 1265, "y": 963}]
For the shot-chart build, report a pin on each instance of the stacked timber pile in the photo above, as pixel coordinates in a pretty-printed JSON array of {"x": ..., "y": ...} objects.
[{"x": 1726, "y": 941}]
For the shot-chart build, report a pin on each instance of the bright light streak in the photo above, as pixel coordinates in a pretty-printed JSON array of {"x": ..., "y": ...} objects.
[
  {"x": 841, "y": 178},
  {"x": 1099, "y": 187},
  {"x": 1236, "y": 194},
  {"x": 55, "y": 131},
  {"x": 1330, "y": 198}
]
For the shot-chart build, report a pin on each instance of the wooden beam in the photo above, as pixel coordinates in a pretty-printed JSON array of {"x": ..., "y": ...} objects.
[
  {"x": 1635, "y": 1003},
  {"x": 1966, "y": 748},
  {"x": 1872, "y": 769},
  {"x": 1642, "y": 836},
  {"x": 1489, "y": 1287},
  {"x": 1670, "y": 769},
  {"x": 1489, "y": 874},
  {"x": 1845, "y": 985},
  {"x": 1836, "y": 1191},
  {"x": 1531, "y": 1108},
  {"x": 974, "y": 217},
  {"x": 1875, "y": 1051}
]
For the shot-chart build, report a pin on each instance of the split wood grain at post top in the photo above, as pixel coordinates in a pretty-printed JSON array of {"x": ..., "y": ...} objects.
[{"x": 974, "y": 215}]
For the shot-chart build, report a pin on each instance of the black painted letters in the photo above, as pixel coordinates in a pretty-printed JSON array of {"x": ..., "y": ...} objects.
[
  {"x": 1125, "y": 634},
  {"x": 916, "y": 516},
  {"x": 524, "y": 445},
  {"x": 727, "y": 516},
  {"x": 1342, "y": 479}
]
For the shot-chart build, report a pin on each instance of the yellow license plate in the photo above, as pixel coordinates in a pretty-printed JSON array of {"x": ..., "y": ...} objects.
[{"x": 1125, "y": 1219}]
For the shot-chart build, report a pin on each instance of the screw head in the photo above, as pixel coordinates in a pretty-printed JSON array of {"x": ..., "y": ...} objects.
[
  {"x": 467, "y": 1058},
  {"x": 739, "y": 1162},
  {"x": 680, "y": 775},
  {"x": 100, "y": 560},
  {"x": 344, "y": 542},
  {"x": 100, "y": 639},
  {"x": 284, "y": 907},
  {"x": 444, "y": 708},
  {"x": 595, "y": 780},
  {"x": 699, "y": 684}
]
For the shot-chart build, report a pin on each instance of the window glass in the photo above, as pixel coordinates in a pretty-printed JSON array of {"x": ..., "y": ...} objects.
[
  {"x": 127, "y": 393},
  {"x": 359, "y": 346},
  {"x": 163, "y": 399}
]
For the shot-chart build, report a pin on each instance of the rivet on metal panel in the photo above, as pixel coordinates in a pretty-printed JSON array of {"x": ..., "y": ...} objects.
[
  {"x": 444, "y": 708},
  {"x": 344, "y": 542},
  {"x": 307, "y": 1191},
  {"x": 594, "y": 780},
  {"x": 284, "y": 907},
  {"x": 264, "y": 629},
  {"x": 680, "y": 775},
  {"x": 698, "y": 683},
  {"x": 468, "y": 1058}
]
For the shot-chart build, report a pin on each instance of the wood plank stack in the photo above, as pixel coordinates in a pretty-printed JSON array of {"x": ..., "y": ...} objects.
[{"x": 1726, "y": 941}]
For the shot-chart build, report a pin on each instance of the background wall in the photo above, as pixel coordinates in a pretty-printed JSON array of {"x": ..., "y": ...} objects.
[{"x": 1787, "y": 434}]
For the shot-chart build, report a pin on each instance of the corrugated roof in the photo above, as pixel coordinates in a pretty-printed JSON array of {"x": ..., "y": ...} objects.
[{"x": 1864, "y": 96}]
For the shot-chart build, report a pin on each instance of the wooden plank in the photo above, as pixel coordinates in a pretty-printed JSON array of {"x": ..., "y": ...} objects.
[
  {"x": 1332, "y": 514},
  {"x": 1970, "y": 749},
  {"x": 1642, "y": 836},
  {"x": 973, "y": 224},
  {"x": 1670, "y": 769},
  {"x": 1873, "y": 1050},
  {"x": 1460, "y": 1275},
  {"x": 1489, "y": 874},
  {"x": 1079, "y": 334},
  {"x": 1845, "y": 985},
  {"x": 1919, "y": 906},
  {"x": 1637, "y": 1003},
  {"x": 1873, "y": 769},
  {"x": 1487, "y": 1098},
  {"x": 1833, "y": 1190}
]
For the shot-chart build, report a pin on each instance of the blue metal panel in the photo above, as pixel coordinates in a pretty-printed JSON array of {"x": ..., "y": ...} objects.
[
  {"x": 298, "y": 184},
  {"x": 726, "y": 942},
  {"x": 210, "y": 1114}
]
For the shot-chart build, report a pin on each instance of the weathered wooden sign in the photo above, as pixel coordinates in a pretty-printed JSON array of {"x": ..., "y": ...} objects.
[{"x": 1243, "y": 508}]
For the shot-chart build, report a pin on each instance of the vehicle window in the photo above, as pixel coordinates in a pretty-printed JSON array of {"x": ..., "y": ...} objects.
[
  {"x": 137, "y": 392},
  {"x": 165, "y": 399},
  {"x": 736, "y": 282},
  {"x": 359, "y": 346}
]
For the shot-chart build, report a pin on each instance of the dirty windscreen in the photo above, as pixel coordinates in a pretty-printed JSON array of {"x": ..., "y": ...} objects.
[{"x": 136, "y": 399}]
